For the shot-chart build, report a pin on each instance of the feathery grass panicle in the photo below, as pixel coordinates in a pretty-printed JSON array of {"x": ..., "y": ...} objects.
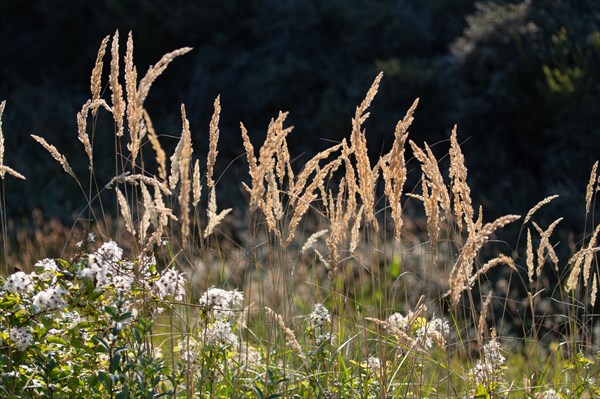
[
  {"x": 538, "y": 206},
  {"x": 161, "y": 157},
  {"x": 125, "y": 211},
  {"x": 350, "y": 177},
  {"x": 463, "y": 209},
  {"x": 214, "y": 218},
  {"x": 197, "y": 186},
  {"x": 134, "y": 107},
  {"x": 155, "y": 71},
  {"x": 482, "y": 325},
  {"x": 312, "y": 166},
  {"x": 96, "y": 79},
  {"x": 530, "y": 257},
  {"x": 213, "y": 140},
  {"x": 435, "y": 192},
  {"x": 545, "y": 245},
  {"x": 308, "y": 196},
  {"x": 338, "y": 226},
  {"x": 290, "y": 337},
  {"x": 82, "y": 134},
  {"x": 589, "y": 191},
  {"x": 500, "y": 259},
  {"x": 184, "y": 171},
  {"x": 462, "y": 270},
  {"x": 393, "y": 167},
  {"x": 405, "y": 341},
  {"x": 3, "y": 168},
  {"x": 252, "y": 163},
  {"x": 594, "y": 292},
  {"x": 176, "y": 164},
  {"x": 2, "y": 106},
  {"x": 367, "y": 177},
  {"x": 150, "y": 214},
  {"x": 118, "y": 104},
  {"x": 55, "y": 154},
  {"x": 354, "y": 237},
  {"x": 584, "y": 257},
  {"x": 134, "y": 179},
  {"x": 312, "y": 240}
]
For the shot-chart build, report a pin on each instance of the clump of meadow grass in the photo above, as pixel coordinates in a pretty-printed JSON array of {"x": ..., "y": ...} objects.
[{"x": 341, "y": 317}]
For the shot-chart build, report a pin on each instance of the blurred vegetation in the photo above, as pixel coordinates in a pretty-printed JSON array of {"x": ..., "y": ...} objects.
[{"x": 521, "y": 80}]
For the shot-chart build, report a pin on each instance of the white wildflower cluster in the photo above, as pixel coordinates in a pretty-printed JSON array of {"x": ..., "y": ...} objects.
[
  {"x": 19, "y": 283},
  {"x": 373, "y": 365},
  {"x": 319, "y": 325},
  {"x": 219, "y": 334},
  {"x": 426, "y": 333},
  {"x": 247, "y": 356},
  {"x": 50, "y": 299},
  {"x": 171, "y": 283},
  {"x": 550, "y": 394},
  {"x": 223, "y": 304},
  {"x": 21, "y": 337},
  {"x": 189, "y": 351},
  {"x": 103, "y": 265},
  {"x": 489, "y": 370},
  {"x": 433, "y": 332},
  {"x": 46, "y": 269},
  {"x": 320, "y": 317}
]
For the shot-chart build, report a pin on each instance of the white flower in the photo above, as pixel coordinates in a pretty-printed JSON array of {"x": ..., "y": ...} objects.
[
  {"x": 19, "y": 283},
  {"x": 399, "y": 321},
  {"x": 222, "y": 303},
  {"x": 490, "y": 368},
  {"x": 50, "y": 299},
  {"x": 21, "y": 337},
  {"x": 219, "y": 334},
  {"x": 171, "y": 283},
  {"x": 320, "y": 316},
  {"x": 49, "y": 266},
  {"x": 550, "y": 394},
  {"x": 373, "y": 365}
]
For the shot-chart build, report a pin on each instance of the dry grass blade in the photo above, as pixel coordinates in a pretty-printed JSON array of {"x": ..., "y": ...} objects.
[
  {"x": 125, "y": 212},
  {"x": 213, "y": 140},
  {"x": 55, "y": 154},
  {"x": 463, "y": 209},
  {"x": 118, "y": 104},
  {"x": 589, "y": 192},
  {"x": 462, "y": 270},
  {"x": 538, "y": 206},
  {"x": 96, "y": 79}
]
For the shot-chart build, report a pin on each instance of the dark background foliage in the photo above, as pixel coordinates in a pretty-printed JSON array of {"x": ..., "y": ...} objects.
[{"x": 521, "y": 80}]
